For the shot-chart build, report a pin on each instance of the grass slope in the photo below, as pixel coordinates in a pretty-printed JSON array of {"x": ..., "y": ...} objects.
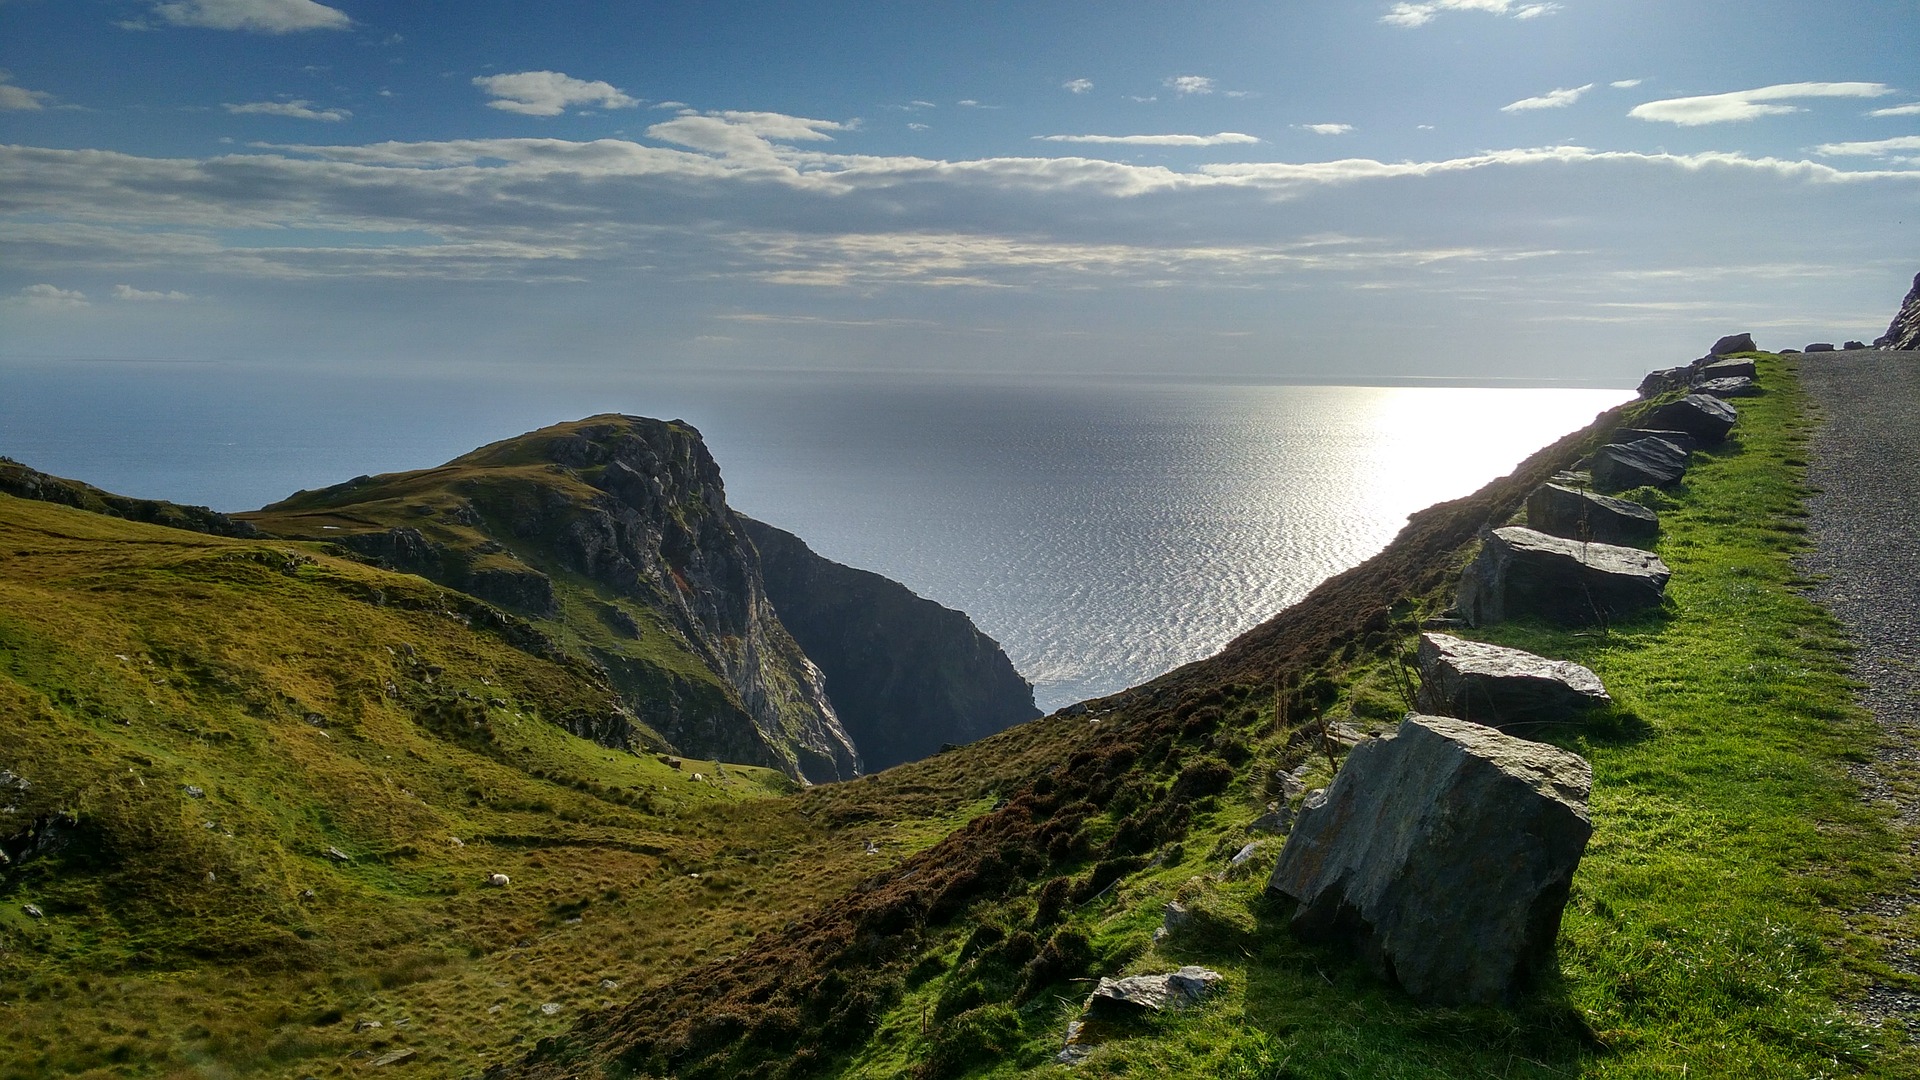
[
  {"x": 1706, "y": 935},
  {"x": 199, "y": 720}
]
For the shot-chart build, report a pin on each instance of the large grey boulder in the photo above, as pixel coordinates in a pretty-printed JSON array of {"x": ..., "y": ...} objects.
[
  {"x": 1742, "y": 368},
  {"x": 1583, "y": 515},
  {"x": 1510, "y": 689},
  {"x": 1705, "y": 418},
  {"x": 1681, "y": 439},
  {"x": 1640, "y": 463},
  {"x": 1443, "y": 855},
  {"x": 1728, "y": 388},
  {"x": 1733, "y": 343},
  {"x": 1665, "y": 379},
  {"x": 1523, "y": 573}
]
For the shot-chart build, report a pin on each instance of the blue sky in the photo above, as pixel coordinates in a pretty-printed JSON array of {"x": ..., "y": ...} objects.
[{"x": 1494, "y": 189}]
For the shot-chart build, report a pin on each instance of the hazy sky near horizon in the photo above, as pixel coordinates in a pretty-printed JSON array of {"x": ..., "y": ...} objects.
[{"x": 1495, "y": 189}]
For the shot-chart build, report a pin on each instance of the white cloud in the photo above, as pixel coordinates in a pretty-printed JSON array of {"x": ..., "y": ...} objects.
[
  {"x": 1326, "y": 129},
  {"x": 1424, "y": 12},
  {"x": 19, "y": 98},
  {"x": 1876, "y": 148},
  {"x": 262, "y": 16},
  {"x": 916, "y": 127},
  {"x": 1625, "y": 84},
  {"x": 298, "y": 109},
  {"x": 1552, "y": 99},
  {"x": 1749, "y": 104},
  {"x": 548, "y": 93},
  {"x": 1898, "y": 110},
  {"x": 1224, "y": 138},
  {"x": 1077, "y": 86},
  {"x": 51, "y": 296},
  {"x": 1189, "y": 84},
  {"x": 146, "y": 296}
]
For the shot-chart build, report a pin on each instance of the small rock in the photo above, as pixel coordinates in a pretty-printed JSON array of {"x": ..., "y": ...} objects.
[
  {"x": 454, "y": 841},
  {"x": 1277, "y": 819},
  {"x": 1152, "y": 993},
  {"x": 194, "y": 792},
  {"x": 609, "y": 984},
  {"x": 551, "y": 1008},
  {"x": 337, "y": 855},
  {"x": 873, "y": 848},
  {"x": 1246, "y": 853},
  {"x": 33, "y": 911},
  {"x": 394, "y": 1057},
  {"x": 368, "y": 1025},
  {"x": 307, "y": 896},
  {"x": 499, "y": 881}
]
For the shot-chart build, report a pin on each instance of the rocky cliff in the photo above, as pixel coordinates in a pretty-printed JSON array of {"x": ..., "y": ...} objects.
[
  {"x": 613, "y": 534},
  {"x": 1904, "y": 331},
  {"x": 905, "y": 674},
  {"x": 23, "y": 482}
]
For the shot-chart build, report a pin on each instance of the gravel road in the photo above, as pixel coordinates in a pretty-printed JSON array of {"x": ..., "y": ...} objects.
[{"x": 1865, "y": 464}]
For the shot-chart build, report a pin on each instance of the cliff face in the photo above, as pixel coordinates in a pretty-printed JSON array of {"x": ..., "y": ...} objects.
[
  {"x": 1904, "y": 332},
  {"x": 905, "y": 674},
  {"x": 614, "y": 535}
]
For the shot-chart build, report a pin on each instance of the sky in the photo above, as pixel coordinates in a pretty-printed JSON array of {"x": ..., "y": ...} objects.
[{"x": 1499, "y": 190}]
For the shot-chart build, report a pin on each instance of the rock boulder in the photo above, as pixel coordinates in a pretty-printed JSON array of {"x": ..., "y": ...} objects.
[
  {"x": 1705, "y": 418},
  {"x": 1510, "y": 689},
  {"x": 1728, "y": 388},
  {"x": 1443, "y": 854},
  {"x": 1821, "y": 346},
  {"x": 1742, "y": 368},
  {"x": 1659, "y": 382},
  {"x": 1641, "y": 463},
  {"x": 1733, "y": 343},
  {"x": 1584, "y": 515},
  {"x": 1523, "y": 573}
]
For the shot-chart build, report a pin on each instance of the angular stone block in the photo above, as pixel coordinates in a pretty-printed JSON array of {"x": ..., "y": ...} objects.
[
  {"x": 1522, "y": 573},
  {"x": 1443, "y": 855},
  {"x": 1583, "y": 515},
  {"x": 1510, "y": 689},
  {"x": 1641, "y": 463},
  {"x": 1705, "y": 418}
]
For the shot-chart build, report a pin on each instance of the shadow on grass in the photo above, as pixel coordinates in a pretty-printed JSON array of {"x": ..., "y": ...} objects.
[{"x": 1339, "y": 1017}]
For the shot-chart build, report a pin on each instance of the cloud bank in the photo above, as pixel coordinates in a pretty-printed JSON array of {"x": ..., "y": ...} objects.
[
  {"x": 259, "y": 16},
  {"x": 1425, "y": 11},
  {"x": 1224, "y": 138}
]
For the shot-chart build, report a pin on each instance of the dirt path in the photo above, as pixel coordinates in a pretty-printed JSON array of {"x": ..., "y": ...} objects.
[{"x": 1865, "y": 464}]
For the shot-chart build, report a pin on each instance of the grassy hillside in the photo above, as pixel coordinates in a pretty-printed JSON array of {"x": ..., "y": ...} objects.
[
  {"x": 1707, "y": 934},
  {"x": 191, "y": 724}
]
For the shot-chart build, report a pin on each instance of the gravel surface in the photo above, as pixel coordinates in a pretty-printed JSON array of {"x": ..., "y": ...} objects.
[{"x": 1865, "y": 465}]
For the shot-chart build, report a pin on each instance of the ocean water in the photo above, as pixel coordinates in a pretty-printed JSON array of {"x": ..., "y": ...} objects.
[{"x": 1102, "y": 532}]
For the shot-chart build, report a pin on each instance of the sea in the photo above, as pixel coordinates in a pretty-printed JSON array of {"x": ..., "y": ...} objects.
[{"x": 1102, "y": 530}]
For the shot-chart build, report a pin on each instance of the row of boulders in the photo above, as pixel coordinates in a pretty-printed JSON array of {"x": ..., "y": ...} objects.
[{"x": 1443, "y": 854}]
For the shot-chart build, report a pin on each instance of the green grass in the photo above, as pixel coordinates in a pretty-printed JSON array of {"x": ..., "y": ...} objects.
[{"x": 1708, "y": 933}]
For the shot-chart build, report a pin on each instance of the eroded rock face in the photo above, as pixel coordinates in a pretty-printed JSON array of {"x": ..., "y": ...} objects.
[
  {"x": 1641, "y": 463},
  {"x": 1510, "y": 689},
  {"x": 1523, "y": 573},
  {"x": 1443, "y": 855},
  {"x": 1583, "y": 515},
  {"x": 1904, "y": 331},
  {"x": 905, "y": 675},
  {"x": 1705, "y": 418}
]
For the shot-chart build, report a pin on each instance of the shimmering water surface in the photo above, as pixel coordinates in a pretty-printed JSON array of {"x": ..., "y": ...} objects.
[{"x": 1102, "y": 533}]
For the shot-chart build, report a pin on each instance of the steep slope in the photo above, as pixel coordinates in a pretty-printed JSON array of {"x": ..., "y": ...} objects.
[
  {"x": 251, "y": 794},
  {"x": 906, "y": 675},
  {"x": 612, "y": 534}
]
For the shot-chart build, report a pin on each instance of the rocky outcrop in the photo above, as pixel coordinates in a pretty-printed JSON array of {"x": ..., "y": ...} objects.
[
  {"x": 521, "y": 589},
  {"x": 1583, "y": 515},
  {"x": 1510, "y": 689},
  {"x": 23, "y": 482},
  {"x": 1522, "y": 573},
  {"x": 906, "y": 676},
  {"x": 1641, "y": 463},
  {"x": 1443, "y": 855},
  {"x": 1705, "y": 418},
  {"x": 1904, "y": 331}
]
